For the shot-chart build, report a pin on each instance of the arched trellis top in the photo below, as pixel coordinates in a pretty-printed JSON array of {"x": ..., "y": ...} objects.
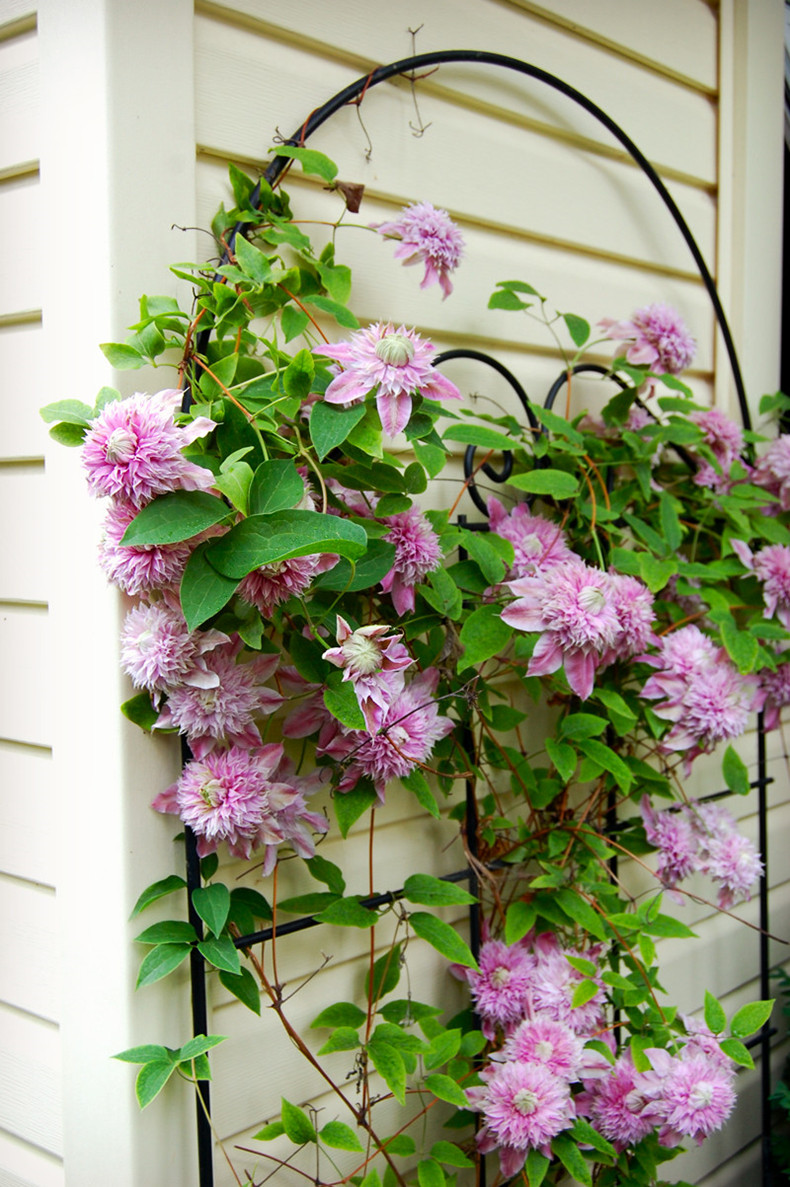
[{"x": 420, "y": 61}]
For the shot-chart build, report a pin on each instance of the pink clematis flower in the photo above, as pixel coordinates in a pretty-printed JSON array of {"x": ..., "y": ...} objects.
[
  {"x": 618, "y": 1104},
  {"x": 693, "y": 1094},
  {"x": 429, "y": 236},
  {"x": 772, "y": 471},
  {"x": 654, "y": 336},
  {"x": 159, "y": 652},
  {"x": 417, "y": 553},
  {"x": 537, "y": 542},
  {"x": 394, "y": 363},
  {"x": 499, "y": 989},
  {"x": 524, "y": 1106},
  {"x": 132, "y": 450},
  {"x": 373, "y": 661},
  {"x": 139, "y": 568},
  {"x": 725, "y": 440}
]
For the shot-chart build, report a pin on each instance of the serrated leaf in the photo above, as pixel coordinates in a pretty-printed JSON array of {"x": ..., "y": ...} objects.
[
  {"x": 483, "y": 635},
  {"x": 715, "y": 1017},
  {"x": 388, "y": 1062},
  {"x": 160, "y": 961},
  {"x": 344, "y": 1038},
  {"x": 518, "y": 921},
  {"x": 222, "y": 953},
  {"x": 244, "y": 987},
  {"x": 174, "y": 517},
  {"x": 564, "y": 758},
  {"x": 446, "y": 1089},
  {"x": 558, "y": 484},
  {"x": 157, "y": 890},
  {"x": 340, "y": 1137},
  {"x": 443, "y": 938},
  {"x": 434, "y": 892},
  {"x": 750, "y": 1018},
  {"x": 212, "y": 904},
  {"x": 151, "y": 1079},
  {"x": 169, "y": 931},
  {"x": 297, "y": 1125}
]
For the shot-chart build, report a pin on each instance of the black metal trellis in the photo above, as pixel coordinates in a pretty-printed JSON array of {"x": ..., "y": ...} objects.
[{"x": 354, "y": 92}]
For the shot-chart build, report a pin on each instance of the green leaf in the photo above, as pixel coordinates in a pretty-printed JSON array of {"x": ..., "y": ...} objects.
[
  {"x": 72, "y": 412},
  {"x": 737, "y": 1052},
  {"x": 654, "y": 572},
  {"x": 556, "y": 483},
  {"x": 372, "y": 1179},
  {"x": 735, "y": 773},
  {"x": 293, "y": 322},
  {"x": 350, "y": 805},
  {"x": 520, "y": 918},
  {"x": 157, "y": 890},
  {"x": 327, "y": 872},
  {"x": 483, "y": 635},
  {"x": 582, "y": 725},
  {"x": 417, "y": 784},
  {"x": 222, "y": 953},
  {"x": 478, "y": 435},
  {"x": 297, "y": 1125},
  {"x": 72, "y": 436},
  {"x": 434, "y": 892},
  {"x": 742, "y": 648},
  {"x": 275, "y": 1129},
  {"x": 443, "y": 1047},
  {"x": 268, "y": 539},
  {"x": 348, "y": 912},
  {"x": 386, "y": 973},
  {"x": 505, "y": 299},
  {"x": 140, "y": 711},
  {"x": 198, "y": 1046},
  {"x": 297, "y": 378},
  {"x": 430, "y": 1174},
  {"x": 715, "y": 1017},
  {"x": 340, "y": 1014},
  {"x": 212, "y": 904},
  {"x": 204, "y": 591},
  {"x": 750, "y": 1018},
  {"x": 174, "y": 517},
  {"x": 310, "y": 159},
  {"x": 584, "y": 992},
  {"x": 372, "y": 568},
  {"x": 341, "y": 701},
  {"x": 431, "y": 457},
  {"x": 584, "y": 1133},
  {"x": 330, "y": 425},
  {"x": 620, "y": 712},
  {"x": 450, "y": 1154},
  {"x": 252, "y": 261},
  {"x": 151, "y": 1079},
  {"x": 443, "y": 938},
  {"x": 122, "y": 357},
  {"x": 564, "y": 758},
  {"x": 343, "y": 1038},
  {"x": 578, "y": 328},
  {"x": 340, "y": 1137},
  {"x": 443, "y": 594},
  {"x": 160, "y": 961},
  {"x": 536, "y": 1166},
  {"x": 388, "y": 1062},
  {"x": 446, "y": 1089},
  {"x": 668, "y": 928},
  {"x": 148, "y": 1053},
  {"x": 611, "y": 762},
  {"x": 244, "y": 987},
  {"x": 342, "y": 315},
  {"x": 170, "y": 931},
  {"x": 253, "y": 900},
  {"x": 580, "y": 911},
  {"x": 670, "y": 524},
  {"x": 276, "y": 486},
  {"x": 565, "y": 1148}
]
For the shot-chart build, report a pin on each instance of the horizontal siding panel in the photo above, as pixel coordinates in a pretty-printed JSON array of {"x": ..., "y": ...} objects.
[
  {"x": 30, "y": 1080},
  {"x": 25, "y": 1166},
  {"x": 684, "y": 38},
  {"x": 29, "y": 837},
  {"x": 19, "y": 99},
  {"x": 29, "y": 977},
  {"x": 26, "y": 574},
  {"x": 628, "y": 94},
  {"x": 22, "y": 367},
  {"x": 25, "y": 650},
  {"x": 20, "y": 271}
]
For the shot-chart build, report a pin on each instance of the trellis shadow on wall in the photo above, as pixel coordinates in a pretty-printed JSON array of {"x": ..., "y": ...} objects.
[{"x": 354, "y": 93}]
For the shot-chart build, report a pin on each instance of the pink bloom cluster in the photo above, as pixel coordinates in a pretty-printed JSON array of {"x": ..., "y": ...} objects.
[
  {"x": 396, "y": 364},
  {"x": 429, "y": 236},
  {"x": 772, "y": 471},
  {"x": 699, "y": 690},
  {"x": 537, "y": 542},
  {"x": 771, "y": 566},
  {"x": 724, "y": 438},
  {"x": 775, "y": 693},
  {"x": 703, "y": 838},
  {"x": 417, "y": 553},
  {"x": 655, "y": 337},
  {"x": 249, "y": 798},
  {"x": 372, "y": 660},
  {"x": 587, "y": 619}
]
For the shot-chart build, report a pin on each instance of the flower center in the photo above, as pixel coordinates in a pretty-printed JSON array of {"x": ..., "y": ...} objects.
[
  {"x": 544, "y": 1049},
  {"x": 362, "y": 653},
  {"x": 592, "y": 599},
  {"x": 525, "y": 1101},
  {"x": 395, "y": 349},
  {"x": 211, "y": 793},
  {"x": 701, "y": 1095},
  {"x": 500, "y": 977},
  {"x": 120, "y": 446}
]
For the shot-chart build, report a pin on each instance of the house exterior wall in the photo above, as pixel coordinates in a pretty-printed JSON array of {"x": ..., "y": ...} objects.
[{"x": 118, "y": 121}]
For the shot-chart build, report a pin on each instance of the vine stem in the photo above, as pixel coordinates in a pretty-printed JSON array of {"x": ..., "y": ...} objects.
[{"x": 217, "y": 1138}]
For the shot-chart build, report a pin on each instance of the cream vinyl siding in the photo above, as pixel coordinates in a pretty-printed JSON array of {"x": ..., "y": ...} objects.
[{"x": 118, "y": 121}]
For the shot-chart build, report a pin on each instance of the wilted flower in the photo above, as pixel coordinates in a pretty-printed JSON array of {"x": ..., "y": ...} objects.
[
  {"x": 395, "y": 363},
  {"x": 428, "y": 235},
  {"x": 655, "y": 337},
  {"x": 132, "y": 450},
  {"x": 417, "y": 553},
  {"x": 373, "y": 661}
]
